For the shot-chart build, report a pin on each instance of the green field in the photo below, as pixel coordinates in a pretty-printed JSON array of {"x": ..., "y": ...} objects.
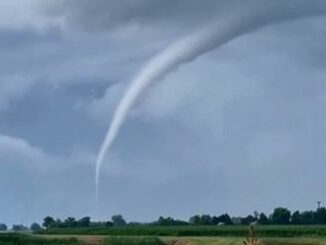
[
  {"x": 169, "y": 235},
  {"x": 22, "y": 239},
  {"x": 18, "y": 239},
  {"x": 184, "y": 231}
]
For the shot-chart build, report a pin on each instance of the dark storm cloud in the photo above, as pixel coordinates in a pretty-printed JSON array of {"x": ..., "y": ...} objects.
[
  {"x": 13, "y": 39},
  {"x": 101, "y": 14}
]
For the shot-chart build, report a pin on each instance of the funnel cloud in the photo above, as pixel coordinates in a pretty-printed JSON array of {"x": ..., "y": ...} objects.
[{"x": 185, "y": 50}]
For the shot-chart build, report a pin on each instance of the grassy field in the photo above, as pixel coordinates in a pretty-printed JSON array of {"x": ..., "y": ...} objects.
[
  {"x": 22, "y": 239},
  {"x": 183, "y": 231},
  {"x": 19, "y": 239},
  {"x": 185, "y": 235}
]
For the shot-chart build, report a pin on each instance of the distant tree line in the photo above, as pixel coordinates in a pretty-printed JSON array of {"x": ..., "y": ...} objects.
[
  {"x": 3, "y": 227},
  {"x": 280, "y": 216},
  {"x": 283, "y": 216},
  {"x": 71, "y": 222}
]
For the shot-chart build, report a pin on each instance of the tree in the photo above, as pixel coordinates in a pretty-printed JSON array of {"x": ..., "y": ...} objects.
[
  {"x": 206, "y": 219},
  {"x": 308, "y": 217},
  {"x": 108, "y": 224},
  {"x": 248, "y": 220},
  {"x": 49, "y": 222},
  {"x": 118, "y": 220},
  {"x": 320, "y": 217},
  {"x": 164, "y": 221},
  {"x": 70, "y": 222},
  {"x": 169, "y": 221},
  {"x": 59, "y": 223},
  {"x": 84, "y": 222},
  {"x": 195, "y": 220},
  {"x": 296, "y": 218},
  {"x": 3, "y": 227},
  {"x": 281, "y": 216},
  {"x": 224, "y": 218},
  {"x": 35, "y": 227},
  {"x": 262, "y": 219},
  {"x": 19, "y": 228}
]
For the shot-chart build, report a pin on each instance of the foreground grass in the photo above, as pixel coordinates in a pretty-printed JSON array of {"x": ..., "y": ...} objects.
[
  {"x": 209, "y": 241},
  {"x": 133, "y": 241},
  {"x": 20, "y": 239},
  {"x": 293, "y": 241},
  {"x": 239, "y": 241}
]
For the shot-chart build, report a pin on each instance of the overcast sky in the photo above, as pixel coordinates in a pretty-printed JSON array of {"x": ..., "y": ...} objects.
[{"x": 239, "y": 129}]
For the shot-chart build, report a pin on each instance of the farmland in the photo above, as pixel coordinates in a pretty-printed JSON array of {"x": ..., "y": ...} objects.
[
  {"x": 170, "y": 235},
  {"x": 19, "y": 239},
  {"x": 23, "y": 239},
  {"x": 198, "y": 231}
]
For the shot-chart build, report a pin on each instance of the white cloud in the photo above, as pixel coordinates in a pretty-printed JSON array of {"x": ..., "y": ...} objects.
[
  {"x": 16, "y": 14},
  {"x": 18, "y": 151},
  {"x": 198, "y": 85}
]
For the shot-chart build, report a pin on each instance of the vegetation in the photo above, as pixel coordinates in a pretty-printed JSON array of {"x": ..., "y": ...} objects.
[
  {"x": 133, "y": 241},
  {"x": 189, "y": 230},
  {"x": 19, "y": 239},
  {"x": 3, "y": 227},
  {"x": 281, "y": 223},
  {"x": 251, "y": 239},
  {"x": 210, "y": 220},
  {"x": 16, "y": 239},
  {"x": 19, "y": 228},
  {"x": 35, "y": 227},
  {"x": 50, "y": 222},
  {"x": 280, "y": 216},
  {"x": 118, "y": 220}
]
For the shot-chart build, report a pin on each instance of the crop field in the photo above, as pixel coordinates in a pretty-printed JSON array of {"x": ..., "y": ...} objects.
[
  {"x": 22, "y": 239},
  {"x": 197, "y": 231},
  {"x": 181, "y": 235}
]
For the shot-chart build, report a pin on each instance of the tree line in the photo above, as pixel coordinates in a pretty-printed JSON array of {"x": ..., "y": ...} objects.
[{"x": 279, "y": 216}]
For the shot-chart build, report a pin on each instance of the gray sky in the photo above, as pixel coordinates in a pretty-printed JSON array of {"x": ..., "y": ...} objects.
[{"x": 239, "y": 129}]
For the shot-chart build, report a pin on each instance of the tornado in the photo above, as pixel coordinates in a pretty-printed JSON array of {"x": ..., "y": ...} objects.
[{"x": 210, "y": 37}]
